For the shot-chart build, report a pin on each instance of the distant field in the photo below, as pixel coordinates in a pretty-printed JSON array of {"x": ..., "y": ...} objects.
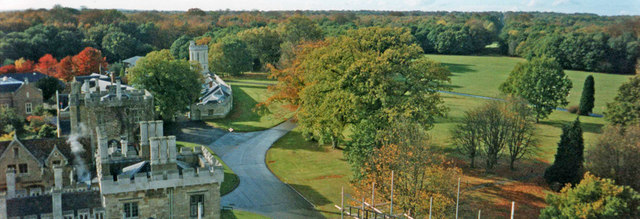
[
  {"x": 482, "y": 75},
  {"x": 247, "y": 93}
]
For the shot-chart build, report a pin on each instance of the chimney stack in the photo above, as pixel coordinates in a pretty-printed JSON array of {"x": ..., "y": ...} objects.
[
  {"x": 159, "y": 128},
  {"x": 124, "y": 147},
  {"x": 11, "y": 182},
  {"x": 171, "y": 144},
  {"x": 57, "y": 176},
  {"x": 56, "y": 196},
  {"x": 118, "y": 90}
]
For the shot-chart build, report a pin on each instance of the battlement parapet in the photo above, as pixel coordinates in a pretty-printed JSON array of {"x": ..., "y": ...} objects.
[{"x": 166, "y": 179}]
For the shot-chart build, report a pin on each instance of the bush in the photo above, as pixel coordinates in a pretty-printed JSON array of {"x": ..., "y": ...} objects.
[
  {"x": 47, "y": 131},
  {"x": 573, "y": 109}
]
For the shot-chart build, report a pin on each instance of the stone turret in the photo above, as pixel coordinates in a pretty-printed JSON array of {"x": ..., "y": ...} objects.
[{"x": 200, "y": 54}]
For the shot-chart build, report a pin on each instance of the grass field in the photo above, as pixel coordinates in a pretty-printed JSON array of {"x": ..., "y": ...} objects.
[
  {"x": 323, "y": 171},
  {"x": 247, "y": 92},
  {"x": 237, "y": 214},
  {"x": 482, "y": 75},
  {"x": 319, "y": 176},
  {"x": 231, "y": 180}
]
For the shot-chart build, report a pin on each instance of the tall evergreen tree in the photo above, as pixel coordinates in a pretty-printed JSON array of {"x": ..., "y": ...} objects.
[
  {"x": 567, "y": 167},
  {"x": 587, "y": 99}
]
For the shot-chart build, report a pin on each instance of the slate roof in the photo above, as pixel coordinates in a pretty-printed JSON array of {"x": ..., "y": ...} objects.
[
  {"x": 132, "y": 61},
  {"x": 36, "y": 205},
  {"x": 9, "y": 84},
  {"x": 32, "y": 76},
  {"x": 216, "y": 93},
  {"x": 41, "y": 148}
]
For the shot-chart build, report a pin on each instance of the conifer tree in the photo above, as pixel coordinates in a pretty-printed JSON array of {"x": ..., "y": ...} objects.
[
  {"x": 587, "y": 99},
  {"x": 567, "y": 167}
]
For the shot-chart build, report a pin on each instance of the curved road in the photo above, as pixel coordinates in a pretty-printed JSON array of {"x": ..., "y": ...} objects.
[{"x": 259, "y": 190}]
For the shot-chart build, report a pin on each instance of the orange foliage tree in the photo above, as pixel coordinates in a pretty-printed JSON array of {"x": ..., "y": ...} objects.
[
  {"x": 90, "y": 60},
  {"x": 64, "y": 69},
  {"x": 47, "y": 65},
  {"x": 290, "y": 77},
  {"x": 7, "y": 69},
  {"x": 24, "y": 65},
  {"x": 419, "y": 174}
]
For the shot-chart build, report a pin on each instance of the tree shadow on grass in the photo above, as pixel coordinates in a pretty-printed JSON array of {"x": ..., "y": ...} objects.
[
  {"x": 310, "y": 194},
  {"x": 295, "y": 141},
  {"x": 586, "y": 126},
  {"x": 459, "y": 68}
]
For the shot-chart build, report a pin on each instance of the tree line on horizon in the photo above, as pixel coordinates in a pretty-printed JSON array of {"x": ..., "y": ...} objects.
[{"x": 577, "y": 41}]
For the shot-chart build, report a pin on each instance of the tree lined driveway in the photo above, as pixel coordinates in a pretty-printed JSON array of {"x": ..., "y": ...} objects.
[{"x": 259, "y": 190}]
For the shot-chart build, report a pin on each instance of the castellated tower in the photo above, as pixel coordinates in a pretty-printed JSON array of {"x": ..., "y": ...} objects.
[
  {"x": 199, "y": 53},
  {"x": 166, "y": 184}
]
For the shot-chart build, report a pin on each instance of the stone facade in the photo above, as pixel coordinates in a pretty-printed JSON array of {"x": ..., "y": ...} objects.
[
  {"x": 24, "y": 97},
  {"x": 33, "y": 161},
  {"x": 116, "y": 110}
]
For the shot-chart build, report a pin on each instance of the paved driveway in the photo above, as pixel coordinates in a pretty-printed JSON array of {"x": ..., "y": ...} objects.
[{"x": 259, "y": 190}]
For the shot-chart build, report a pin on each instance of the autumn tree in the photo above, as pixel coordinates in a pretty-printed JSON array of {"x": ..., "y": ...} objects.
[
  {"x": 174, "y": 83},
  {"x": 594, "y": 197},
  {"x": 616, "y": 155},
  {"x": 541, "y": 82},
  {"x": 65, "y": 69},
  {"x": 88, "y": 61},
  {"x": 47, "y": 65},
  {"x": 587, "y": 98},
  {"x": 300, "y": 28},
  {"x": 419, "y": 173},
  {"x": 567, "y": 165},
  {"x": 625, "y": 108},
  {"x": 24, "y": 65},
  {"x": 230, "y": 56},
  {"x": 10, "y": 68},
  {"x": 290, "y": 77}
]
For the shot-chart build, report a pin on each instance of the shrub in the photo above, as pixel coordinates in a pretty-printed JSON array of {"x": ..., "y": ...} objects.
[{"x": 573, "y": 109}]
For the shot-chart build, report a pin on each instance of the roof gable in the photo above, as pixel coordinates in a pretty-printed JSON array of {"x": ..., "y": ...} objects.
[
  {"x": 53, "y": 152},
  {"x": 17, "y": 142}
]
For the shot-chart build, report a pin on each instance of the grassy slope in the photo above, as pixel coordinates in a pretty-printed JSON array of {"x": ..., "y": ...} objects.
[
  {"x": 323, "y": 171},
  {"x": 481, "y": 75},
  {"x": 231, "y": 180},
  {"x": 247, "y": 93},
  {"x": 319, "y": 176}
]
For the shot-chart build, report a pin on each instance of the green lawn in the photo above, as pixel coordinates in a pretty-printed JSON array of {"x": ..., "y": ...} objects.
[
  {"x": 231, "y": 180},
  {"x": 319, "y": 176},
  {"x": 237, "y": 214},
  {"x": 482, "y": 75},
  {"x": 244, "y": 117},
  {"x": 323, "y": 171}
]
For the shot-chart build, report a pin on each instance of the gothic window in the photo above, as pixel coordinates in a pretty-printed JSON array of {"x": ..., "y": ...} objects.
[
  {"x": 210, "y": 112},
  {"x": 195, "y": 200},
  {"x": 27, "y": 108},
  {"x": 11, "y": 166},
  {"x": 131, "y": 210},
  {"x": 56, "y": 162}
]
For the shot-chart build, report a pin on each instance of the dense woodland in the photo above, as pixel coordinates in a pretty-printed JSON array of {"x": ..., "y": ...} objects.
[{"x": 577, "y": 41}]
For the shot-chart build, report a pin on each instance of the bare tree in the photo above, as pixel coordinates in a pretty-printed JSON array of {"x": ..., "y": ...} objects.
[
  {"x": 494, "y": 128},
  {"x": 521, "y": 140},
  {"x": 467, "y": 136}
]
